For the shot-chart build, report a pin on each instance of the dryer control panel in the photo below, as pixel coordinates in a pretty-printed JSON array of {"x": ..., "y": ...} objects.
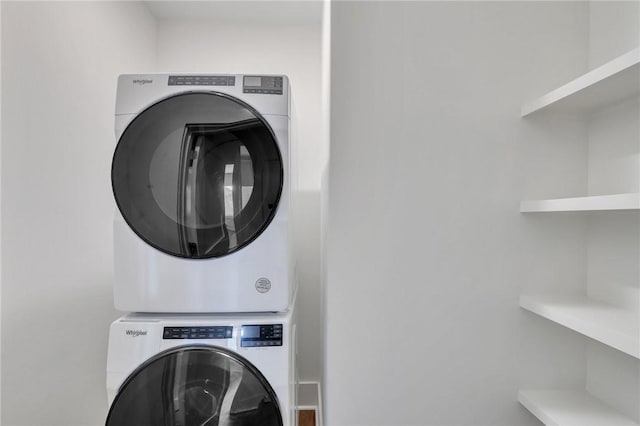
[
  {"x": 202, "y": 80},
  {"x": 261, "y": 335},
  {"x": 208, "y": 332}
]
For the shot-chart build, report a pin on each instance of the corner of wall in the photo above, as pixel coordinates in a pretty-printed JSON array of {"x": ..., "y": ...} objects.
[
  {"x": 324, "y": 184},
  {"x": 1, "y": 7}
]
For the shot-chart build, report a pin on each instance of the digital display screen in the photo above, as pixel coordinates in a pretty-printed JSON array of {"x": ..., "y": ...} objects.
[
  {"x": 253, "y": 81},
  {"x": 250, "y": 331},
  {"x": 263, "y": 335},
  {"x": 263, "y": 84}
]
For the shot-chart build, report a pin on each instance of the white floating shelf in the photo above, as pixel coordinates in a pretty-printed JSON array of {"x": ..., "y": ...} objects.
[
  {"x": 608, "y": 324},
  {"x": 614, "y": 81},
  {"x": 585, "y": 204},
  {"x": 571, "y": 408}
]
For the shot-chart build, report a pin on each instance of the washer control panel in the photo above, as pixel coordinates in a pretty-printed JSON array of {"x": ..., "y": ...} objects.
[
  {"x": 215, "y": 332},
  {"x": 252, "y": 336},
  {"x": 202, "y": 80},
  {"x": 263, "y": 84}
]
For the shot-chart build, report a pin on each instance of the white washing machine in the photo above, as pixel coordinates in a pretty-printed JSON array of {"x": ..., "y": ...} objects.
[
  {"x": 201, "y": 177},
  {"x": 196, "y": 370}
]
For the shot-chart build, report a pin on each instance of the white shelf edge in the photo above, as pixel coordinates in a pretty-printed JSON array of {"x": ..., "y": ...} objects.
[
  {"x": 571, "y": 408},
  {"x": 593, "y": 203},
  {"x": 613, "y": 326},
  {"x": 624, "y": 62}
]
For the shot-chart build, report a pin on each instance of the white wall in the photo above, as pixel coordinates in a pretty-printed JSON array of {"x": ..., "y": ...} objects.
[
  {"x": 613, "y": 240},
  {"x": 60, "y": 63},
  {"x": 427, "y": 252},
  {"x": 614, "y": 29},
  {"x": 208, "y": 45}
]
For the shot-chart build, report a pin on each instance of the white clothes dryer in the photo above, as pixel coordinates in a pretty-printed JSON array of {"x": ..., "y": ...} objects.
[
  {"x": 201, "y": 177},
  {"x": 201, "y": 370}
]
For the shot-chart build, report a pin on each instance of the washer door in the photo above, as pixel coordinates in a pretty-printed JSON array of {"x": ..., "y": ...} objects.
[
  {"x": 195, "y": 386},
  {"x": 198, "y": 175}
]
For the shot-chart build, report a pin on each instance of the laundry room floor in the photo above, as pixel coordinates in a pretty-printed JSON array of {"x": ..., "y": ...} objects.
[{"x": 306, "y": 418}]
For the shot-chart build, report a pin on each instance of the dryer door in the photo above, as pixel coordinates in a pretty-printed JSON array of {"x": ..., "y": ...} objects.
[
  {"x": 198, "y": 175},
  {"x": 195, "y": 386}
]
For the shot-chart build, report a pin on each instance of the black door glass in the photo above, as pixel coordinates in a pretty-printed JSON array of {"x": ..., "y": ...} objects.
[
  {"x": 195, "y": 386},
  {"x": 197, "y": 175}
]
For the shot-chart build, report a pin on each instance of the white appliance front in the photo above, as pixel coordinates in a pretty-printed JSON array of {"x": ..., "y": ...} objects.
[
  {"x": 201, "y": 178},
  {"x": 202, "y": 370}
]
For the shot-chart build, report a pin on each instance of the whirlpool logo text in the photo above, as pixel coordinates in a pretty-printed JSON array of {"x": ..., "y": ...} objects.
[
  {"x": 142, "y": 81},
  {"x": 136, "y": 333}
]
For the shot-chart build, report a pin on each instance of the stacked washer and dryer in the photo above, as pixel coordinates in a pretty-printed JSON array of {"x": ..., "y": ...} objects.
[{"x": 202, "y": 249}]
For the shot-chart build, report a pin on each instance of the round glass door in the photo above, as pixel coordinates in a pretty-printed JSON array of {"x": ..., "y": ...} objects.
[
  {"x": 195, "y": 386},
  {"x": 198, "y": 175}
]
